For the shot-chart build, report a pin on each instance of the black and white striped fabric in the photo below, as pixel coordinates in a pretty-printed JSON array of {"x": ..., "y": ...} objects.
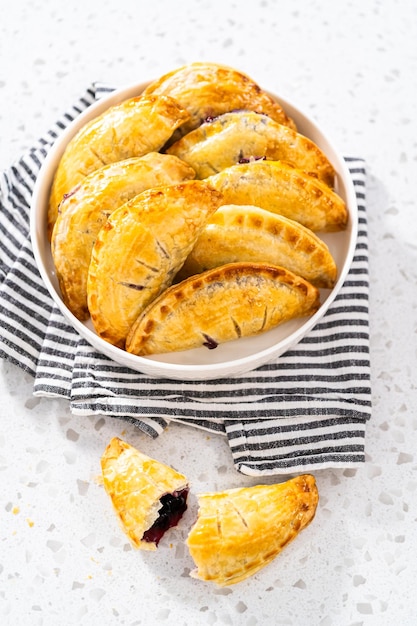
[{"x": 304, "y": 412}]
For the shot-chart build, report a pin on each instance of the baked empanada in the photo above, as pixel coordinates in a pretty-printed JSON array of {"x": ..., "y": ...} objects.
[
  {"x": 245, "y": 135},
  {"x": 139, "y": 250},
  {"x": 132, "y": 128},
  {"x": 148, "y": 496},
  {"x": 281, "y": 188},
  {"x": 83, "y": 212},
  {"x": 209, "y": 89},
  {"x": 246, "y": 233},
  {"x": 225, "y": 303},
  {"x": 239, "y": 531}
]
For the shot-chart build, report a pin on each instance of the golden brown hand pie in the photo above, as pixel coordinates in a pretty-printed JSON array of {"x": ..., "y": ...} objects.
[
  {"x": 225, "y": 303},
  {"x": 281, "y": 188},
  {"x": 209, "y": 89},
  {"x": 133, "y": 128},
  {"x": 140, "y": 249},
  {"x": 244, "y": 135},
  {"x": 83, "y": 212},
  {"x": 241, "y": 530},
  {"x": 246, "y": 233},
  {"x": 148, "y": 496}
]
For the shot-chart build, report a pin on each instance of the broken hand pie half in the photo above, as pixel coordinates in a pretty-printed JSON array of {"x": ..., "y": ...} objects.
[
  {"x": 247, "y": 233},
  {"x": 139, "y": 250},
  {"x": 221, "y": 304},
  {"x": 240, "y": 136},
  {"x": 281, "y": 188},
  {"x": 147, "y": 496},
  {"x": 241, "y": 530},
  {"x": 209, "y": 89},
  {"x": 132, "y": 128},
  {"x": 83, "y": 213}
]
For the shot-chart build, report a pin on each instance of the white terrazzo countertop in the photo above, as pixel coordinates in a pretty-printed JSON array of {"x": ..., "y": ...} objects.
[{"x": 63, "y": 558}]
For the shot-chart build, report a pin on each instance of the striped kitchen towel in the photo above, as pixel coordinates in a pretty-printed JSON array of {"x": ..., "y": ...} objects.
[{"x": 306, "y": 411}]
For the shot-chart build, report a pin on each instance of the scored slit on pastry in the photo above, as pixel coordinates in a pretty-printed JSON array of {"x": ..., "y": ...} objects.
[
  {"x": 148, "y": 496},
  {"x": 247, "y": 233},
  {"x": 139, "y": 250},
  {"x": 83, "y": 213},
  {"x": 240, "y": 136},
  {"x": 225, "y": 303},
  {"x": 206, "y": 90},
  {"x": 134, "y": 127},
  {"x": 239, "y": 531}
]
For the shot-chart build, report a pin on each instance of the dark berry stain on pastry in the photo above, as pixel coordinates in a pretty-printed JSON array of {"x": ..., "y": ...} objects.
[
  {"x": 173, "y": 507},
  {"x": 243, "y": 159},
  {"x": 209, "y": 342}
]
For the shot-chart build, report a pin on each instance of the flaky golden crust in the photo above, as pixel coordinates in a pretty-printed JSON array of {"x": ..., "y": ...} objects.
[
  {"x": 246, "y": 233},
  {"x": 222, "y": 304},
  {"x": 135, "y": 484},
  {"x": 281, "y": 188},
  {"x": 84, "y": 212},
  {"x": 140, "y": 249},
  {"x": 209, "y": 89},
  {"x": 132, "y": 128},
  {"x": 239, "y": 531},
  {"x": 238, "y": 135}
]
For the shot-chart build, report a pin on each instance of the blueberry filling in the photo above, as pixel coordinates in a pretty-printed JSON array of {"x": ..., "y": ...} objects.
[
  {"x": 209, "y": 342},
  {"x": 250, "y": 159},
  {"x": 173, "y": 507}
]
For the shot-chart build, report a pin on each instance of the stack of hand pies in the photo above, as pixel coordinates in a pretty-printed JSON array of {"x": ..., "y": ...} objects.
[{"x": 187, "y": 216}]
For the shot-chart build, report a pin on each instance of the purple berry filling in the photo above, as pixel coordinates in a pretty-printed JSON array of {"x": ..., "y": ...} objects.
[{"x": 173, "y": 507}]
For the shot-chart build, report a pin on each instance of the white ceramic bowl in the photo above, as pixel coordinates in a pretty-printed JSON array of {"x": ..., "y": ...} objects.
[{"x": 235, "y": 357}]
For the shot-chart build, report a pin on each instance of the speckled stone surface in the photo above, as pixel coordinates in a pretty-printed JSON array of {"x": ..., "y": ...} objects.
[{"x": 63, "y": 558}]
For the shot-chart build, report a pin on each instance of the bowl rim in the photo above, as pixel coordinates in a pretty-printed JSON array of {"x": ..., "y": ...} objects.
[{"x": 187, "y": 371}]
